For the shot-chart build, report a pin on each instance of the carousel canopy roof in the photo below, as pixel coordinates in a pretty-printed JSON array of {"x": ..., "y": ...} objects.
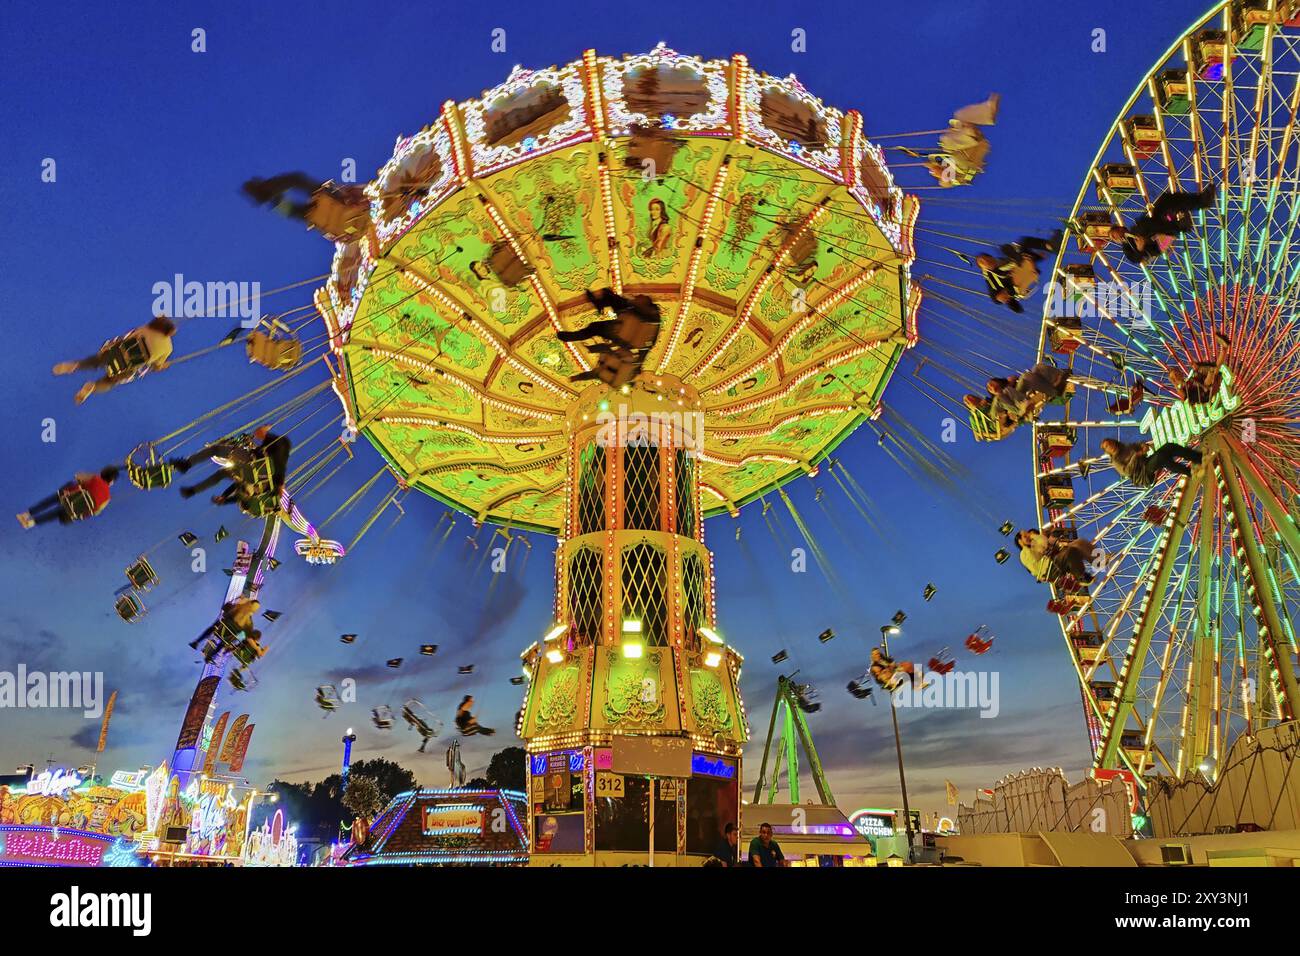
[{"x": 765, "y": 226}]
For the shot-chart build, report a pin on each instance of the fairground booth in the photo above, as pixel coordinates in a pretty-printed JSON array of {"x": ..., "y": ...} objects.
[{"x": 426, "y": 827}]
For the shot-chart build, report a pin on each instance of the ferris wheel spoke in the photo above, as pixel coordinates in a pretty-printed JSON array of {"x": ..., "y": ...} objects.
[
  {"x": 1283, "y": 522},
  {"x": 1282, "y": 669},
  {"x": 1169, "y": 659},
  {"x": 1200, "y": 700},
  {"x": 1149, "y": 614}
]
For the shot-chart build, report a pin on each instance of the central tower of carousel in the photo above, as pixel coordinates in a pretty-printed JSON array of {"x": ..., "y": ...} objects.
[{"x": 771, "y": 236}]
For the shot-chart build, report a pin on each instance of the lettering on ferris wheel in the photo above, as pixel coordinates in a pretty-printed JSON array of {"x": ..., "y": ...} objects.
[{"x": 1182, "y": 420}]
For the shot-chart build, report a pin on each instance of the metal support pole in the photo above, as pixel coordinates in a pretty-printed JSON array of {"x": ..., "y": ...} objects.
[
  {"x": 898, "y": 748},
  {"x": 1270, "y": 618},
  {"x": 1153, "y": 603}
]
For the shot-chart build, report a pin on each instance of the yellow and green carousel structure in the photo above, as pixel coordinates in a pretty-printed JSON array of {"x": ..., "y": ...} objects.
[{"x": 771, "y": 235}]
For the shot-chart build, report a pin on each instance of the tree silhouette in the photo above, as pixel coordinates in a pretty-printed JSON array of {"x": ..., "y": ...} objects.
[
  {"x": 363, "y": 797},
  {"x": 507, "y": 770}
]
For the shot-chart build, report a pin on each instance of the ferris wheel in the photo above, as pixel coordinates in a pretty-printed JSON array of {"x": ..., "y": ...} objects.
[{"x": 1184, "y": 636}]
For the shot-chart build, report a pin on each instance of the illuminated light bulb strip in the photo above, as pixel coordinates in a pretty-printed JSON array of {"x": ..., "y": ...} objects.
[
  {"x": 464, "y": 167},
  {"x": 338, "y": 385},
  {"x": 713, "y": 491},
  {"x": 612, "y": 521},
  {"x": 611, "y": 233},
  {"x": 595, "y": 102},
  {"x": 325, "y": 309},
  {"x": 491, "y": 169},
  {"x": 852, "y": 146},
  {"x": 484, "y": 333},
  {"x": 759, "y": 288},
  {"x": 713, "y": 602},
  {"x": 821, "y": 310},
  {"x": 798, "y": 379},
  {"x": 739, "y": 462},
  {"x": 762, "y": 431},
  {"x": 522, "y": 468},
  {"x": 740, "y": 79},
  {"x": 907, "y": 228},
  {"x": 468, "y": 386},
  {"x": 669, "y": 524},
  {"x": 910, "y": 326},
  {"x": 1262, "y": 629},
  {"x": 540, "y": 291},
  {"x": 889, "y": 221},
  {"x": 591, "y": 74},
  {"x": 486, "y": 437},
  {"x": 692, "y": 270}
]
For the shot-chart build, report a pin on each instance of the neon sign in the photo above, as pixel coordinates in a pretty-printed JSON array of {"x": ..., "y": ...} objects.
[
  {"x": 873, "y": 823},
  {"x": 1182, "y": 420},
  {"x": 54, "y": 784},
  {"x": 453, "y": 818},
  {"x": 41, "y": 846},
  {"x": 704, "y": 765}
]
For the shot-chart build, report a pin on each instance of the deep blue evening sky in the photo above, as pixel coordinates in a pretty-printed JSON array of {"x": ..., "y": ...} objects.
[{"x": 151, "y": 142}]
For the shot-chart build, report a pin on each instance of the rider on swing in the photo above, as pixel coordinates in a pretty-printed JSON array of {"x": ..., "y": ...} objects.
[
  {"x": 126, "y": 357},
  {"x": 629, "y": 337}
]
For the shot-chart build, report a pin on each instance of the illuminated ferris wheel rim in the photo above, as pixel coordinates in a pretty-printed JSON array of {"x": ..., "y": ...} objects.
[{"x": 1247, "y": 543}]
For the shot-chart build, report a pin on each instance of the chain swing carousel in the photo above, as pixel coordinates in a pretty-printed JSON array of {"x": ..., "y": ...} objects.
[{"x": 770, "y": 236}]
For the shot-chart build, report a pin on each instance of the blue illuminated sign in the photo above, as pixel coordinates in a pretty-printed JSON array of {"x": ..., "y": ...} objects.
[
  {"x": 539, "y": 763},
  {"x": 705, "y": 766}
]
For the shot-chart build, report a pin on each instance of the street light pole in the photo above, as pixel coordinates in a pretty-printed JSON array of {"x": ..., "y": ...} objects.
[{"x": 898, "y": 745}]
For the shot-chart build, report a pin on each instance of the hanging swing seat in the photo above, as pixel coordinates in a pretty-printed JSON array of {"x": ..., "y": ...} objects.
[
  {"x": 255, "y": 473},
  {"x": 146, "y": 470},
  {"x": 226, "y": 634},
  {"x": 339, "y": 213},
  {"x": 507, "y": 265},
  {"x": 653, "y": 144},
  {"x": 247, "y": 651},
  {"x": 273, "y": 351},
  {"x": 983, "y": 426},
  {"x": 141, "y": 574},
  {"x": 128, "y": 605},
  {"x": 76, "y": 502},
  {"x": 127, "y": 355}
]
